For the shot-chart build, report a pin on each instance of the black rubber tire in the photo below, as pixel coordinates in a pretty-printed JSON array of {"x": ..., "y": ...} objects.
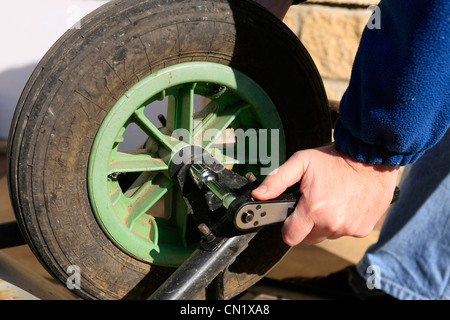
[{"x": 77, "y": 83}]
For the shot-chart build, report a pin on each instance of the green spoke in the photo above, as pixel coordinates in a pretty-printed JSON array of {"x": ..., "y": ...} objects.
[
  {"x": 180, "y": 111},
  {"x": 225, "y": 156},
  {"x": 202, "y": 119},
  {"x": 205, "y": 113},
  {"x": 242, "y": 152},
  {"x": 135, "y": 162},
  {"x": 146, "y": 196},
  {"x": 215, "y": 126},
  {"x": 175, "y": 208},
  {"x": 136, "y": 185},
  {"x": 150, "y": 129}
]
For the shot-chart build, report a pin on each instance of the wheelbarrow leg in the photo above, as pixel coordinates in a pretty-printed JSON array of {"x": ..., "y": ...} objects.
[
  {"x": 10, "y": 235},
  {"x": 202, "y": 269}
]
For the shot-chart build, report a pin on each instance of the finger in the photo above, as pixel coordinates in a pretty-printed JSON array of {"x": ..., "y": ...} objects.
[
  {"x": 316, "y": 236},
  {"x": 297, "y": 226},
  {"x": 326, "y": 226},
  {"x": 280, "y": 179}
]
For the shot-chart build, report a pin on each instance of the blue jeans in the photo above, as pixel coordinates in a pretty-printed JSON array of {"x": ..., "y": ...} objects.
[{"x": 411, "y": 259}]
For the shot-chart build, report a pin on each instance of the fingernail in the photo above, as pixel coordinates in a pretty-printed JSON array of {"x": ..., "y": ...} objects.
[{"x": 261, "y": 189}]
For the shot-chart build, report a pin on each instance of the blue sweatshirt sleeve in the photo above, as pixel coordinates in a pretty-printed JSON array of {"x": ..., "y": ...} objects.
[{"x": 397, "y": 104}]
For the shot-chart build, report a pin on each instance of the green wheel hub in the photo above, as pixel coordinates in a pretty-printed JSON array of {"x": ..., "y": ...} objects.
[{"x": 134, "y": 199}]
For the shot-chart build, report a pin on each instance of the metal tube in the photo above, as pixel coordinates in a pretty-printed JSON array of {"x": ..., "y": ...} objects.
[
  {"x": 200, "y": 269},
  {"x": 205, "y": 177}
]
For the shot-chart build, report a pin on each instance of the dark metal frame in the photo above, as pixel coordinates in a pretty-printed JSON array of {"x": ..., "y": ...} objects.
[{"x": 10, "y": 235}]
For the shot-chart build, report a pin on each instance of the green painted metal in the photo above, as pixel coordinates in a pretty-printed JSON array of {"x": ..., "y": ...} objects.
[{"x": 129, "y": 212}]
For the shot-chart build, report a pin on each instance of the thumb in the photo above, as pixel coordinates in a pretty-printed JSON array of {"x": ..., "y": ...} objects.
[{"x": 281, "y": 178}]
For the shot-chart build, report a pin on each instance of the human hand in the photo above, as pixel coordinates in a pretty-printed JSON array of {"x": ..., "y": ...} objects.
[{"x": 340, "y": 196}]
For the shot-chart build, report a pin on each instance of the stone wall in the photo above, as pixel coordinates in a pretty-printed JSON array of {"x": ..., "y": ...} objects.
[{"x": 330, "y": 31}]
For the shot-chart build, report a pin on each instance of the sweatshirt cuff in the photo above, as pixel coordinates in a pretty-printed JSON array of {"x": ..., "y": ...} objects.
[{"x": 369, "y": 153}]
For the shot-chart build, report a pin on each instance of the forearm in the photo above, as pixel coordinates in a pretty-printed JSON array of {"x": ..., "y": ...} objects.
[{"x": 397, "y": 104}]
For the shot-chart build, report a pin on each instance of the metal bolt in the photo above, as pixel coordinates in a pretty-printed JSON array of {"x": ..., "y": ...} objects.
[
  {"x": 206, "y": 232},
  {"x": 250, "y": 177},
  {"x": 247, "y": 216}
]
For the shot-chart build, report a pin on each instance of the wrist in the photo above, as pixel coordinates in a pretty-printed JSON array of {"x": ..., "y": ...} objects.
[{"x": 356, "y": 164}]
